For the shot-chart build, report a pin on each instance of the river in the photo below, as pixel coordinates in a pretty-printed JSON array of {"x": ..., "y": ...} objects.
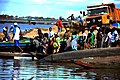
[
  {"x": 25, "y": 68},
  {"x": 24, "y": 26}
]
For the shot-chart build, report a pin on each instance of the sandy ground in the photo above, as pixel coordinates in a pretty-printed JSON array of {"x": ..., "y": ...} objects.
[
  {"x": 2, "y": 35},
  {"x": 34, "y": 33}
]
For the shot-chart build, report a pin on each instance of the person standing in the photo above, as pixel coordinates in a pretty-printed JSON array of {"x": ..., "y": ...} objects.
[
  {"x": 85, "y": 35},
  {"x": 92, "y": 38},
  {"x": 108, "y": 38},
  {"x": 16, "y": 37},
  {"x": 114, "y": 38},
  {"x": 71, "y": 17},
  {"x": 59, "y": 24},
  {"x": 99, "y": 38},
  {"x": 80, "y": 17}
]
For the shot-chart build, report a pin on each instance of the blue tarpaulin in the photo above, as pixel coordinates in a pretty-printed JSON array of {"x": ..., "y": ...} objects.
[{"x": 116, "y": 25}]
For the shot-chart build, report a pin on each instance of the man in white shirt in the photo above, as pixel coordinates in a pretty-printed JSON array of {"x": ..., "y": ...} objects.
[
  {"x": 16, "y": 37},
  {"x": 50, "y": 33}
]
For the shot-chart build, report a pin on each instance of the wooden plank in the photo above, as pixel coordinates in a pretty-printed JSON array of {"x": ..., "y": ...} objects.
[
  {"x": 17, "y": 54},
  {"x": 14, "y": 54},
  {"x": 97, "y": 52}
]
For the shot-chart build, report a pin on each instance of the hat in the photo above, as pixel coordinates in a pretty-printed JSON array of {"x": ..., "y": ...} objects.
[
  {"x": 6, "y": 27},
  {"x": 15, "y": 24}
]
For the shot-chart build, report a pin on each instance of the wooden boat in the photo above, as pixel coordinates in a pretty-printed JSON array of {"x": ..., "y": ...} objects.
[
  {"x": 8, "y": 46},
  {"x": 79, "y": 54},
  {"x": 78, "y": 57},
  {"x": 6, "y": 49}
]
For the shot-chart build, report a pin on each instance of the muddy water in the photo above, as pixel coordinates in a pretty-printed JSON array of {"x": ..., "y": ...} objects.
[{"x": 24, "y": 69}]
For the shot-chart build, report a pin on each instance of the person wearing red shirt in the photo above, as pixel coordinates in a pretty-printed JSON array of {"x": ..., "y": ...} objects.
[{"x": 59, "y": 24}]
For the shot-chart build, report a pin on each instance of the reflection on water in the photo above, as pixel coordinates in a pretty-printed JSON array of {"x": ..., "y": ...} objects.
[{"x": 25, "y": 69}]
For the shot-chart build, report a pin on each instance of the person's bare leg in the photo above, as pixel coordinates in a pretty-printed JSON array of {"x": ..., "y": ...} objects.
[{"x": 20, "y": 49}]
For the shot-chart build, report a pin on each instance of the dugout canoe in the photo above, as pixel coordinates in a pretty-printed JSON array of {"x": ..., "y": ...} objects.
[
  {"x": 79, "y": 54},
  {"x": 80, "y": 57}
]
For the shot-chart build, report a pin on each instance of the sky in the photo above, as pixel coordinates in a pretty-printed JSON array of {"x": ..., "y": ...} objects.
[{"x": 48, "y": 8}]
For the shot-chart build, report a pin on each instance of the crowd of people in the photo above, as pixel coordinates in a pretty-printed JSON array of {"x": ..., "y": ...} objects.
[
  {"x": 79, "y": 19},
  {"x": 96, "y": 37},
  {"x": 50, "y": 43}
]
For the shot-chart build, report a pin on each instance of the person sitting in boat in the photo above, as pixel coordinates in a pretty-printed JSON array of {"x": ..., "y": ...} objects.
[
  {"x": 56, "y": 44},
  {"x": 37, "y": 45},
  {"x": 5, "y": 32},
  {"x": 50, "y": 33},
  {"x": 50, "y": 49},
  {"x": 40, "y": 34},
  {"x": 62, "y": 41},
  {"x": 74, "y": 42},
  {"x": 38, "y": 42},
  {"x": 45, "y": 43},
  {"x": 68, "y": 46}
]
